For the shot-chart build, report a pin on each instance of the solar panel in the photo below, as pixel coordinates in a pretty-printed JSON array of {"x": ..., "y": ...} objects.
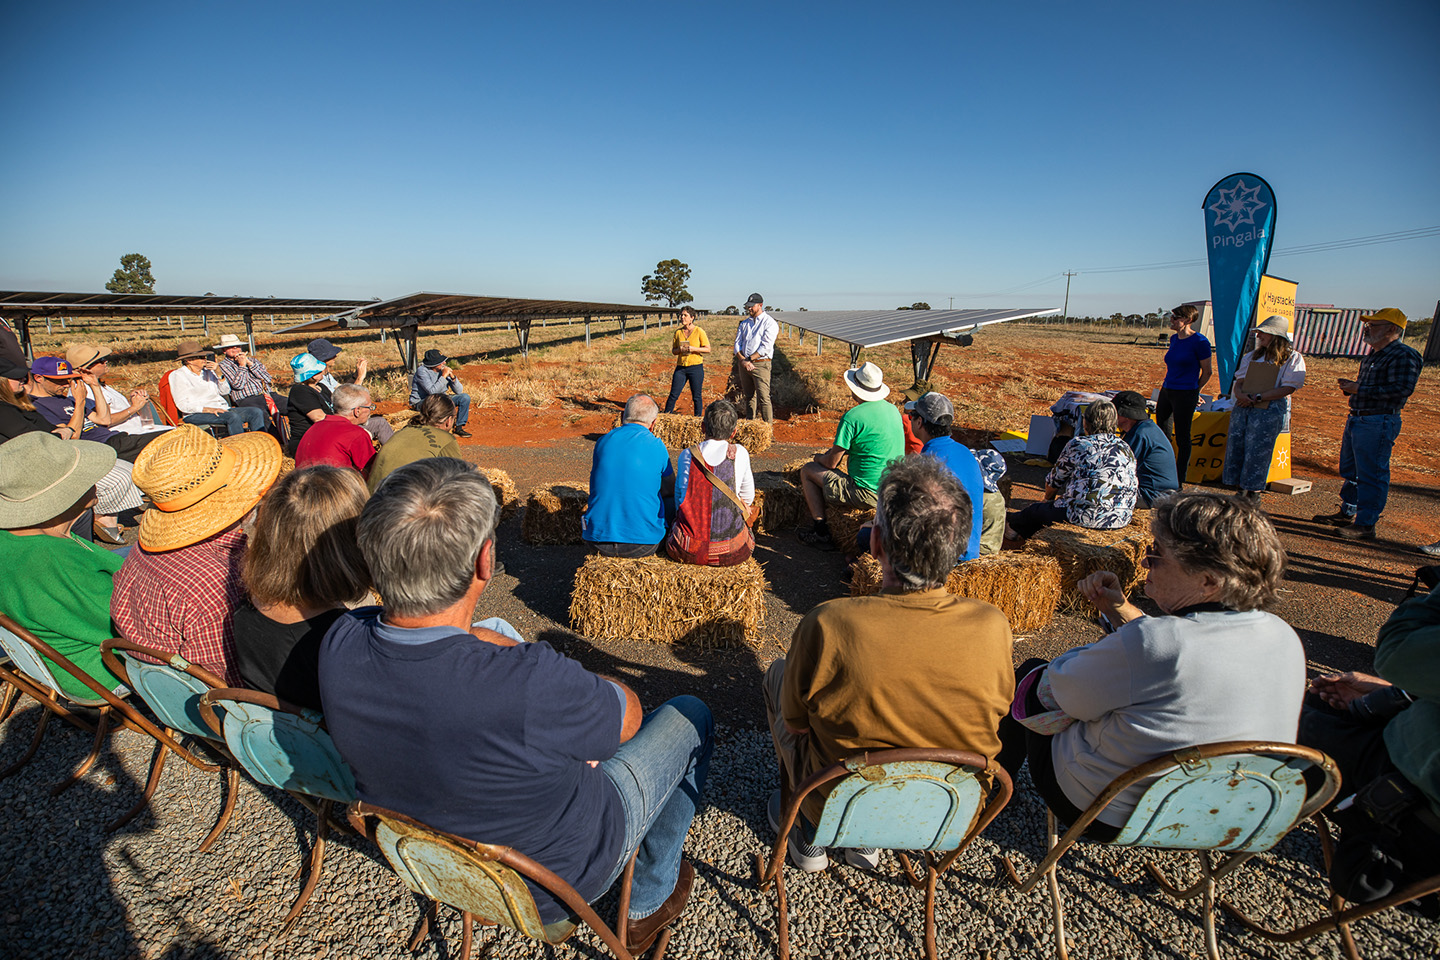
[{"x": 876, "y": 328}]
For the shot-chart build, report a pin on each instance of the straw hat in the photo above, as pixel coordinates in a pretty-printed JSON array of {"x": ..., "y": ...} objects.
[
  {"x": 81, "y": 355},
  {"x": 867, "y": 382},
  {"x": 228, "y": 340},
  {"x": 199, "y": 486},
  {"x": 42, "y": 476}
]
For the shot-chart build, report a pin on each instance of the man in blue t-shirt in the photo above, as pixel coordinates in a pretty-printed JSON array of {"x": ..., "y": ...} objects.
[
  {"x": 472, "y": 731},
  {"x": 1154, "y": 457},
  {"x": 631, "y": 477}
]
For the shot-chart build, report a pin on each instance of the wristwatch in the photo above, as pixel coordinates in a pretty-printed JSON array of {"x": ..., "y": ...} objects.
[{"x": 1254, "y": 398}]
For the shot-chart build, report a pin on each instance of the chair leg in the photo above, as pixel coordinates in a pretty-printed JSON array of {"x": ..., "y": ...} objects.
[
  {"x": 1052, "y": 881},
  {"x": 783, "y": 920},
  {"x": 231, "y": 781},
  {"x": 40, "y": 726},
  {"x": 12, "y": 697},
  {"x": 1212, "y": 944},
  {"x": 1337, "y": 902},
  {"x": 467, "y": 934},
  {"x": 317, "y": 861},
  {"x": 931, "y": 878},
  {"x": 157, "y": 763},
  {"x": 101, "y": 729},
  {"x": 423, "y": 927}
]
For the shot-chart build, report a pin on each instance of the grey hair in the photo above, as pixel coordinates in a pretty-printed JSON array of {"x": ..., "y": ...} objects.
[
  {"x": 719, "y": 420},
  {"x": 1100, "y": 417},
  {"x": 1230, "y": 537},
  {"x": 640, "y": 409},
  {"x": 348, "y": 396},
  {"x": 421, "y": 532},
  {"x": 924, "y": 519}
]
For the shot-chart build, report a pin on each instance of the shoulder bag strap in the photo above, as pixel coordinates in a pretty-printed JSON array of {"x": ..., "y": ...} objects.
[{"x": 717, "y": 483}]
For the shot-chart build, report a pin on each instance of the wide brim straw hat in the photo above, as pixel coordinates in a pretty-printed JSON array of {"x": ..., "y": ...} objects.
[
  {"x": 867, "y": 382},
  {"x": 199, "y": 486},
  {"x": 42, "y": 476},
  {"x": 228, "y": 340},
  {"x": 82, "y": 355}
]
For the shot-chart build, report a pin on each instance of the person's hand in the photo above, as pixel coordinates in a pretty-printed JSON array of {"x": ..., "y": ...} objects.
[
  {"x": 1347, "y": 387},
  {"x": 1243, "y": 400},
  {"x": 77, "y": 393},
  {"x": 88, "y": 376},
  {"x": 749, "y": 366},
  {"x": 684, "y": 348},
  {"x": 362, "y": 366},
  {"x": 243, "y": 359},
  {"x": 1102, "y": 588},
  {"x": 1338, "y": 690},
  {"x": 215, "y": 410},
  {"x": 211, "y": 365},
  {"x": 139, "y": 395}
]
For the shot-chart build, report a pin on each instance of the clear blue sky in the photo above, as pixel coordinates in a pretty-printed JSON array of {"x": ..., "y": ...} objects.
[{"x": 827, "y": 155}]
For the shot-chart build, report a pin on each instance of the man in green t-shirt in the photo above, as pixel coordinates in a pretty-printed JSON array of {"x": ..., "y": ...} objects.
[
  {"x": 872, "y": 434},
  {"x": 56, "y": 585}
]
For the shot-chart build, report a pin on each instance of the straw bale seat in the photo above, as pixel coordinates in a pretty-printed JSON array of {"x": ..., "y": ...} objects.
[
  {"x": 506, "y": 494},
  {"x": 791, "y": 470},
  {"x": 1025, "y": 586},
  {"x": 659, "y": 600},
  {"x": 1082, "y": 552},
  {"x": 845, "y": 523},
  {"x": 782, "y": 506},
  {"x": 679, "y": 431},
  {"x": 552, "y": 514},
  {"x": 400, "y": 419}
]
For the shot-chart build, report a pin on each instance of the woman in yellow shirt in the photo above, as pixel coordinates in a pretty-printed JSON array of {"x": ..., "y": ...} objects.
[{"x": 690, "y": 346}]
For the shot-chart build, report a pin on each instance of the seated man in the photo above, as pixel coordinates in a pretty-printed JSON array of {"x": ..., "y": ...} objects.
[
  {"x": 57, "y": 391},
  {"x": 1382, "y": 734},
  {"x": 1154, "y": 457},
  {"x": 203, "y": 398},
  {"x": 912, "y": 666},
  {"x": 340, "y": 440},
  {"x": 485, "y": 736},
  {"x": 56, "y": 585},
  {"x": 326, "y": 352},
  {"x": 249, "y": 380},
  {"x": 133, "y": 414},
  {"x": 433, "y": 377},
  {"x": 1091, "y": 485},
  {"x": 180, "y": 585},
  {"x": 871, "y": 433},
  {"x": 630, "y": 479}
]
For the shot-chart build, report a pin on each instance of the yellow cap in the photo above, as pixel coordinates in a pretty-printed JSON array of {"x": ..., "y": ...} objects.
[{"x": 1389, "y": 315}]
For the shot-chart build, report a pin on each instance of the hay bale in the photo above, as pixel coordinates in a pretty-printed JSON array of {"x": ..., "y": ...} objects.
[
  {"x": 678, "y": 431},
  {"x": 754, "y": 435},
  {"x": 552, "y": 514},
  {"x": 505, "y": 492},
  {"x": 662, "y": 601},
  {"x": 1082, "y": 552},
  {"x": 400, "y": 419},
  {"x": 1025, "y": 586},
  {"x": 845, "y": 523},
  {"x": 791, "y": 470},
  {"x": 782, "y": 506}
]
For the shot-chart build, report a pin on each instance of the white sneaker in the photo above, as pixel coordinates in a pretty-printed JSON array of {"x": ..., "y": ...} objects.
[
  {"x": 1431, "y": 548},
  {"x": 863, "y": 858},
  {"x": 803, "y": 856}
]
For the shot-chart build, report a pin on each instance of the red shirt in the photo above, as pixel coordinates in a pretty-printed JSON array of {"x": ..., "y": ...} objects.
[
  {"x": 335, "y": 442},
  {"x": 182, "y": 601}
]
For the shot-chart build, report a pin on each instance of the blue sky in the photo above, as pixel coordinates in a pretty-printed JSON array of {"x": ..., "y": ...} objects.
[{"x": 827, "y": 155}]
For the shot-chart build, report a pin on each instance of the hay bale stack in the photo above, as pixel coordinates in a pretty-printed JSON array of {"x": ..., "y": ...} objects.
[
  {"x": 505, "y": 492},
  {"x": 662, "y": 601},
  {"x": 678, "y": 431},
  {"x": 1025, "y": 586},
  {"x": 1141, "y": 518},
  {"x": 400, "y": 419},
  {"x": 754, "y": 435},
  {"x": 791, "y": 470},
  {"x": 552, "y": 514},
  {"x": 1082, "y": 552},
  {"x": 782, "y": 506},
  {"x": 845, "y": 523}
]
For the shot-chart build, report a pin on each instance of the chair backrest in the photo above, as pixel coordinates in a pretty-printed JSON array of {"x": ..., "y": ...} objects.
[
  {"x": 172, "y": 689},
  {"x": 167, "y": 400},
  {"x": 24, "y": 650},
  {"x": 1229, "y": 797},
  {"x": 902, "y": 800},
  {"x": 279, "y": 745}
]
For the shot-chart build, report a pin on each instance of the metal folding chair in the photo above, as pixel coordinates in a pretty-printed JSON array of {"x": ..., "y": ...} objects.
[
  {"x": 485, "y": 882},
  {"x": 172, "y": 689},
  {"x": 1236, "y": 798},
  {"x": 907, "y": 799},
  {"x": 286, "y": 747},
  {"x": 31, "y": 670}
]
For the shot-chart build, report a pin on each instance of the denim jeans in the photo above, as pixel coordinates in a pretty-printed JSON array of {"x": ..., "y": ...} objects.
[
  {"x": 1250, "y": 446},
  {"x": 660, "y": 775},
  {"x": 1365, "y": 465},
  {"x": 695, "y": 375},
  {"x": 462, "y": 409},
  {"x": 235, "y": 420}
]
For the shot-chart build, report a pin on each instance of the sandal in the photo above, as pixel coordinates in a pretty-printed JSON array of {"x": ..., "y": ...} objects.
[{"x": 110, "y": 534}]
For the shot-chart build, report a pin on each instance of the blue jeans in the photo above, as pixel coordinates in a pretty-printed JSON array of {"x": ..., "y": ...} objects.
[
  {"x": 236, "y": 420},
  {"x": 1250, "y": 446},
  {"x": 1365, "y": 465},
  {"x": 660, "y": 774},
  {"x": 462, "y": 409},
  {"x": 695, "y": 375}
]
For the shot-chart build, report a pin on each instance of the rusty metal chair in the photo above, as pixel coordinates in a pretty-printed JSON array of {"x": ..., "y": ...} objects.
[
  {"x": 486, "y": 882},
  {"x": 1236, "y": 798},
  {"x": 32, "y": 670},
  {"x": 172, "y": 689},
  {"x": 908, "y": 800},
  {"x": 283, "y": 746},
  {"x": 1339, "y": 917}
]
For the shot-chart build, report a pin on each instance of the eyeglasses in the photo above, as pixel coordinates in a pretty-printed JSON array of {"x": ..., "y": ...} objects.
[{"x": 1152, "y": 555}]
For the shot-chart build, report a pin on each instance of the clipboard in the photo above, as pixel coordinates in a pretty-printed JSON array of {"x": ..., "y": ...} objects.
[{"x": 1260, "y": 377}]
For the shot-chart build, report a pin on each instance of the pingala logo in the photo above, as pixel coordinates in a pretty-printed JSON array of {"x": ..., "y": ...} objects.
[{"x": 1238, "y": 205}]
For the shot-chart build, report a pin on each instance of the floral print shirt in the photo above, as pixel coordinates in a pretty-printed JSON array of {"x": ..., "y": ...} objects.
[{"x": 1097, "y": 482}]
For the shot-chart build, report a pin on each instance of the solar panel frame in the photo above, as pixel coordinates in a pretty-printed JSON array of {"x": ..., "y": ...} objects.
[{"x": 878, "y": 328}]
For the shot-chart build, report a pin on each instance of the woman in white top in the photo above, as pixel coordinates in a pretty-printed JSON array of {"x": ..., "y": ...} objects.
[
  {"x": 1261, "y": 416},
  {"x": 713, "y": 496},
  {"x": 200, "y": 395}
]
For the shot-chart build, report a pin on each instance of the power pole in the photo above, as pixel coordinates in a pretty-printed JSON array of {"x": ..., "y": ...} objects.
[
  {"x": 1065, "y": 311},
  {"x": 952, "y": 303}
]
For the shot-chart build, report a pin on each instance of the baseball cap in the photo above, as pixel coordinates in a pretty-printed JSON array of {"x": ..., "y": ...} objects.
[
  {"x": 323, "y": 350},
  {"x": 1389, "y": 315},
  {"x": 933, "y": 408},
  {"x": 1131, "y": 405},
  {"x": 55, "y": 367},
  {"x": 754, "y": 298}
]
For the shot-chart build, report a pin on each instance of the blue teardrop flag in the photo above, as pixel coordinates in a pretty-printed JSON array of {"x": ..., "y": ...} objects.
[{"x": 1239, "y": 227}]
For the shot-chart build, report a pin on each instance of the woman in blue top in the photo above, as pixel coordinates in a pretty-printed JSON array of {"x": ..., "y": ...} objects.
[{"x": 1188, "y": 366}]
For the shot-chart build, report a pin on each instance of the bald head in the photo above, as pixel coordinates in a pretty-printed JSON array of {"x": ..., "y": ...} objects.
[{"x": 640, "y": 409}]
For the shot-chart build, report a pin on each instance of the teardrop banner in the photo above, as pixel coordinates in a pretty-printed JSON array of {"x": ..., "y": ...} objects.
[{"x": 1239, "y": 228}]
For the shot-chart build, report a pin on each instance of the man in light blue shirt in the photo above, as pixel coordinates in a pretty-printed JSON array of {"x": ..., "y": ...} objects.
[
  {"x": 754, "y": 351},
  {"x": 434, "y": 376}
]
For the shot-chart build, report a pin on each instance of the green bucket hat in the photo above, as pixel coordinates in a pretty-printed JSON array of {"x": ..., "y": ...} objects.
[{"x": 42, "y": 476}]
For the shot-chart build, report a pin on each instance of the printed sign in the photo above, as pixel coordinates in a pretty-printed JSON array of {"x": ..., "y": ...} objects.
[
  {"x": 1277, "y": 296},
  {"x": 1208, "y": 434}
]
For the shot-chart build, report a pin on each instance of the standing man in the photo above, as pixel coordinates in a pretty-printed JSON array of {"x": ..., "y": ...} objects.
[
  {"x": 690, "y": 347},
  {"x": 1387, "y": 378},
  {"x": 326, "y": 352},
  {"x": 340, "y": 440},
  {"x": 250, "y": 383},
  {"x": 630, "y": 479},
  {"x": 754, "y": 351},
  {"x": 433, "y": 377},
  {"x": 1154, "y": 457}
]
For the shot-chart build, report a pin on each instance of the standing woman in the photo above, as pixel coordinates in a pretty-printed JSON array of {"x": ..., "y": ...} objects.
[
  {"x": 690, "y": 346},
  {"x": 1189, "y": 362},
  {"x": 1258, "y": 418}
]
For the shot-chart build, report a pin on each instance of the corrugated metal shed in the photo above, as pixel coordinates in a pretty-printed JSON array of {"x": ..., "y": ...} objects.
[{"x": 1330, "y": 331}]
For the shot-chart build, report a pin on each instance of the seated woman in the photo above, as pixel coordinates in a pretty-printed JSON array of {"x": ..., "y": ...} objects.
[
  {"x": 1093, "y": 483},
  {"x": 302, "y": 567},
  {"x": 203, "y": 398},
  {"x": 1212, "y": 667},
  {"x": 56, "y": 585},
  {"x": 428, "y": 435},
  {"x": 309, "y": 401},
  {"x": 714, "y": 488}
]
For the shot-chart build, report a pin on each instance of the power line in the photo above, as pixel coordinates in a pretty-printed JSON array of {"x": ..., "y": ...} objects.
[{"x": 1419, "y": 233}]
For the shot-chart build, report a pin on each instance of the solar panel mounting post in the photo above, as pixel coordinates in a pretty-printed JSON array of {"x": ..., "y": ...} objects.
[
  {"x": 250, "y": 330},
  {"x": 587, "y": 331},
  {"x": 522, "y": 330},
  {"x": 854, "y": 355}
]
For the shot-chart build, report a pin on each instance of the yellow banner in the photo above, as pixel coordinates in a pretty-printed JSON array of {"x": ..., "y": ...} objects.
[
  {"x": 1276, "y": 296},
  {"x": 1208, "y": 433}
]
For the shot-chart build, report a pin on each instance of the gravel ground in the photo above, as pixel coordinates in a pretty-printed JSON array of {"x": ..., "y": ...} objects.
[{"x": 69, "y": 890}]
